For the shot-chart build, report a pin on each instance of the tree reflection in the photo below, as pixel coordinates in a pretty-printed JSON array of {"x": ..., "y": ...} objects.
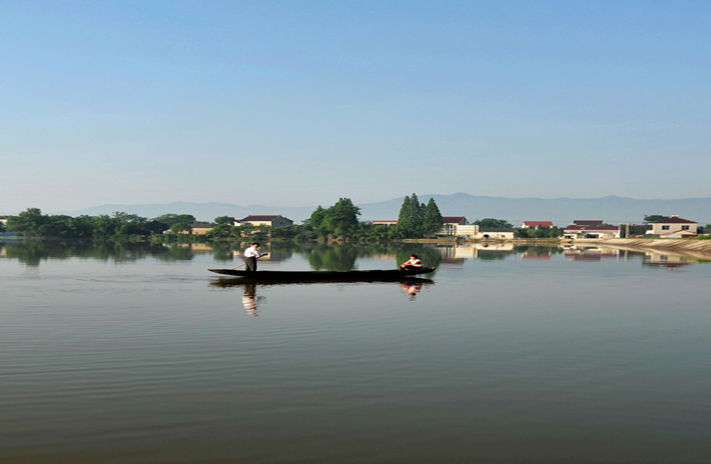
[
  {"x": 33, "y": 252},
  {"x": 343, "y": 257},
  {"x": 320, "y": 256},
  {"x": 333, "y": 258}
]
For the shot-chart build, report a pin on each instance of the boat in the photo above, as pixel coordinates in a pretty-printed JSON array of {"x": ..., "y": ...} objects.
[
  {"x": 225, "y": 281},
  {"x": 369, "y": 275}
]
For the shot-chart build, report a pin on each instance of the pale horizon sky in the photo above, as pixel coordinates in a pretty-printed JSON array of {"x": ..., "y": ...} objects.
[{"x": 297, "y": 103}]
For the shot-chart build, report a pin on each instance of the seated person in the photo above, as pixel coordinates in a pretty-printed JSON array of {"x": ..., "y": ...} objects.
[{"x": 413, "y": 263}]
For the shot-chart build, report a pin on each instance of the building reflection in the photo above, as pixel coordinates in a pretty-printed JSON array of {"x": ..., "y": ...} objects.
[
  {"x": 574, "y": 253},
  {"x": 535, "y": 255},
  {"x": 670, "y": 261},
  {"x": 457, "y": 254}
]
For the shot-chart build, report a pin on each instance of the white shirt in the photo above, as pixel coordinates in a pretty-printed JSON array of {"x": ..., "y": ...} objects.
[{"x": 252, "y": 252}]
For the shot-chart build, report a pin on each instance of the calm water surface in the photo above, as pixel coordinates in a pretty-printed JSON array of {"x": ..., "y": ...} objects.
[{"x": 527, "y": 355}]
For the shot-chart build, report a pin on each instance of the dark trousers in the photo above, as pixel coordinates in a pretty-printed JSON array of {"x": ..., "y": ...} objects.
[{"x": 251, "y": 263}]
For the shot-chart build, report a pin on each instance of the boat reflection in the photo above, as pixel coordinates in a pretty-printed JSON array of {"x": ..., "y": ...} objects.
[{"x": 411, "y": 286}]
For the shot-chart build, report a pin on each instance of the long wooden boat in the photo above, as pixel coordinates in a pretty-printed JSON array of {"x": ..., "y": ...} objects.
[
  {"x": 369, "y": 275},
  {"x": 226, "y": 281}
]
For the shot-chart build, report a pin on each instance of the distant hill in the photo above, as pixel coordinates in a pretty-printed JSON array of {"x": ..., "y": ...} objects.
[{"x": 562, "y": 211}]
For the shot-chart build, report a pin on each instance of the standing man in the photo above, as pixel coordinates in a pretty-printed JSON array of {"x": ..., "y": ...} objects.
[{"x": 250, "y": 257}]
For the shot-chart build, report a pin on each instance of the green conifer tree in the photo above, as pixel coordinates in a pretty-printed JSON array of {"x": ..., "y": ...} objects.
[
  {"x": 411, "y": 217},
  {"x": 432, "y": 218}
]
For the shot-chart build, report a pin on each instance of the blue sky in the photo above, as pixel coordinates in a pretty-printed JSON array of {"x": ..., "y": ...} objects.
[{"x": 296, "y": 103}]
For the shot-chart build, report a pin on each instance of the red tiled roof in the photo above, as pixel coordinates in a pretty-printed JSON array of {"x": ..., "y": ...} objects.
[
  {"x": 538, "y": 223},
  {"x": 452, "y": 219},
  {"x": 674, "y": 220}
]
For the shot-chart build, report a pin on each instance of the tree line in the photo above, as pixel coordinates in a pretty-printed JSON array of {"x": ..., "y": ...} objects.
[
  {"x": 415, "y": 220},
  {"x": 337, "y": 222},
  {"x": 33, "y": 223}
]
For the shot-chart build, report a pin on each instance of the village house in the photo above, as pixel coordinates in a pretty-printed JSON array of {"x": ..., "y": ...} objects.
[
  {"x": 673, "y": 227},
  {"x": 200, "y": 228},
  {"x": 496, "y": 233},
  {"x": 3, "y": 220},
  {"x": 466, "y": 230},
  {"x": 264, "y": 220},
  {"x": 385, "y": 223},
  {"x": 579, "y": 222},
  {"x": 455, "y": 220},
  {"x": 580, "y": 229},
  {"x": 536, "y": 224},
  {"x": 452, "y": 225}
]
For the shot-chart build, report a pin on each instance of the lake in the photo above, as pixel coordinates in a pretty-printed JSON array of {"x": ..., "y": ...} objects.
[{"x": 138, "y": 354}]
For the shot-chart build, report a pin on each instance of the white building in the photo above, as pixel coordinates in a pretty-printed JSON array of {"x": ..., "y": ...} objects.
[{"x": 673, "y": 227}]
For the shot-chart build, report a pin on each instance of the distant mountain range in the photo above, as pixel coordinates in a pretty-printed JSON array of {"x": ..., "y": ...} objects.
[{"x": 561, "y": 211}]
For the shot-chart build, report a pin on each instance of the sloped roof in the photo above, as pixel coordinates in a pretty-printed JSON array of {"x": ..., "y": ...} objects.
[
  {"x": 538, "y": 223},
  {"x": 259, "y": 218},
  {"x": 578, "y": 222},
  {"x": 675, "y": 220},
  {"x": 453, "y": 219}
]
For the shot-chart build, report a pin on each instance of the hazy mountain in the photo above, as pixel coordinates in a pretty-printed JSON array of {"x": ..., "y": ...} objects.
[{"x": 562, "y": 211}]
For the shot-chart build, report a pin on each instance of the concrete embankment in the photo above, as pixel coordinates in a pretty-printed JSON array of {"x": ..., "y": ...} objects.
[
  {"x": 696, "y": 248},
  {"x": 699, "y": 248}
]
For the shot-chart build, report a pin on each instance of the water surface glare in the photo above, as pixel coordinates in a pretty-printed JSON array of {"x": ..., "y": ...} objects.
[{"x": 509, "y": 355}]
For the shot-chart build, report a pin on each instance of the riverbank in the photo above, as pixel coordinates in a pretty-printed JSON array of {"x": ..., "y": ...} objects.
[{"x": 697, "y": 248}]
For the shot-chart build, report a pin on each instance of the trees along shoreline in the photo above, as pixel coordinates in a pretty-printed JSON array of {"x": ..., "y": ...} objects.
[{"x": 337, "y": 223}]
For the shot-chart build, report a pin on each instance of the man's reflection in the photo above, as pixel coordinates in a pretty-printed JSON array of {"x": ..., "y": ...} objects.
[
  {"x": 412, "y": 289},
  {"x": 250, "y": 299}
]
